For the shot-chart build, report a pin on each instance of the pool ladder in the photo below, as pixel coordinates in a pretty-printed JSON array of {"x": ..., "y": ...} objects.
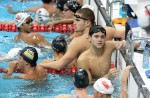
[{"x": 130, "y": 45}]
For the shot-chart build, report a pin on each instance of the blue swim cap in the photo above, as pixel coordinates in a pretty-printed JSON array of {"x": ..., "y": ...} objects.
[{"x": 80, "y": 78}]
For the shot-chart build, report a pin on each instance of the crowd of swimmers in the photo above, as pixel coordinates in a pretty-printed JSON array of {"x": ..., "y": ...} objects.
[{"x": 90, "y": 49}]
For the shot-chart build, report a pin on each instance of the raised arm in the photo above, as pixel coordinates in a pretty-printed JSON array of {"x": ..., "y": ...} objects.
[
  {"x": 64, "y": 21},
  {"x": 11, "y": 11},
  {"x": 125, "y": 75},
  {"x": 12, "y": 67},
  {"x": 114, "y": 33}
]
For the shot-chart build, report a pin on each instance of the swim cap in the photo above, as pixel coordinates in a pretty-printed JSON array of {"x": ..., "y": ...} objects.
[
  {"x": 88, "y": 6},
  {"x": 59, "y": 44},
  {"x": 60, "y": 4},
  {"x": 104, "y": 86},
  {"x": 13, "y": 52},
  {"x": 73, "y": 5},
  {"x": 20, "y": 18},
  {"x": 42, "y": 16},
  {"x": 143, "y": 18},
  {"x": 80, "y": 78},
  {"x": 30, "y": 55}
]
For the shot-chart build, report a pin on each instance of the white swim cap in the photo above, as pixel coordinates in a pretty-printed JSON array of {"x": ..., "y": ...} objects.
[
  {"x": 13, "y": 52},
  {"x": 20, "y": 18},
  {"x": 88, "y": 6},
  {"x": 143, "y": 18},
  {"x": 42, "y": 16},
  {"x": 104, "y": 86}
]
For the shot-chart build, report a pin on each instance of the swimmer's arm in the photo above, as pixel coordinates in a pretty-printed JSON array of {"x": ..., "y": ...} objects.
[
  {"x": 115, "y": 33},
  {"x": 122, "y": 44},
  {"x": 69, "y": 56},
  {"x": 39, "y": 40},
  {"x": 12, "y": 67},
  {"x": 63, "y": 96},
  {"x": 65, "y": 21},
  {"x": 113, "y": 72},
  {"x": 6, "y": 76}
]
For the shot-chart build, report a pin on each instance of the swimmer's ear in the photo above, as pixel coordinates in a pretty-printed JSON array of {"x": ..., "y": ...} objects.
[
  {"x": 88, "y": 22},
  {"x": 89, "y": 37}
]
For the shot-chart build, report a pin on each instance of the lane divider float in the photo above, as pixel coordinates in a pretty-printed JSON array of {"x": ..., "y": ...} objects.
[{"x": 60, "y": 28}]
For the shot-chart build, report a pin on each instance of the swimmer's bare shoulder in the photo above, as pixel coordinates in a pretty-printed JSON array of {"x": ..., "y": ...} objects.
[{"x": 63, "y": 96}]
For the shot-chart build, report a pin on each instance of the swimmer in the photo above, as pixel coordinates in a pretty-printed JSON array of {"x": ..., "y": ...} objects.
[
  {"x": 69, "y": 8},
  {"x": 11, "y": 55},
  {"x": 103, "y": 88},
  {"x": 97, "y": 59},
  {"x": 28, "y": 63},
  {"x": 144, "y": 19},
  {"x": 83, "y": 20},
  {"x": 81, "y": 82},
  {"x": 47, "y": 4},
  {"x": 59, "y": 46},
  {"x": 24, "y": 24}
]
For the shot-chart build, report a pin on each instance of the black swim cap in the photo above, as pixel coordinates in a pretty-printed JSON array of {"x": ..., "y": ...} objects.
[
  {"x": 59, "y": 44},
  {"x": 81, "y": 79},
  {"x": 30, "y": 55},
  {"x": 73, "y": 5},
  {"x": 60, "y": 4}
]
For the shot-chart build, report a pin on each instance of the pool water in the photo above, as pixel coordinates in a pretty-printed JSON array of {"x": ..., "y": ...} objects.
[
  {"x": 56, "y": 84},
  {"x": 19, "y": 88}
]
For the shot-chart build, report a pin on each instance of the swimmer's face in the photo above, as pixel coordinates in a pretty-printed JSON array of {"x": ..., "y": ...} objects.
[
  {"x": 67, "y": 12},
  {"x": 79, "y": 23},
  {"x": 21, "y": 62},
  {"x": 98, "y": 94},
  {"x": 27, "y": 25},
  {"x": 98, "y": 39}
]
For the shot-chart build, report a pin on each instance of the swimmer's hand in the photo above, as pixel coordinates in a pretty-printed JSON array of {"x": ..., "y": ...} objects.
[
  {"x": 126, "y": 73},
  {"x": 10, "y": 10},
  {"x": 121, "y": 44},
  {"x": 8, "y": 6},
  {"x": 113, "y": 72},
  {"x": 50, "y": 24},
  {"x": 12, "y": 67}
]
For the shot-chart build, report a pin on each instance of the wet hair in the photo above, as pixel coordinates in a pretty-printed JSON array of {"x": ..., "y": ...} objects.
[
  {"x": 87, "y": 14},
  {"x": 59, "y": 44},
  {"x": 46, "y": 1},
  {"x": 80, "y": 78},
  {"x": 60, "y": 4},
  {"x": 96, "y": 29},
  {"x": 73, "y": 5}
]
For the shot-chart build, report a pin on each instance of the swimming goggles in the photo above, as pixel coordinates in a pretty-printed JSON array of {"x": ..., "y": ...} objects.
[
  {"x": 78, "y": 16},
  {"x": 28, "y": 21}
]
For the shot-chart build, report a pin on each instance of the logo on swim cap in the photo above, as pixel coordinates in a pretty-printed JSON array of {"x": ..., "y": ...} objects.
[
  {"x": 42, "y": 16},
  {"x": 60, "y": 4},
  {"x": 20, "y": 18},
  {"x": 80, "y": 78},
  {"x": 30, "y": 55},
  {"x": 73, "y": 5},
  {"x": 103, "y": 85}
]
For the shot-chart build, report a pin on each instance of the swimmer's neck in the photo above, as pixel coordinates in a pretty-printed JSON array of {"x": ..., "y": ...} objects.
[{"x": 96, "y": 51}]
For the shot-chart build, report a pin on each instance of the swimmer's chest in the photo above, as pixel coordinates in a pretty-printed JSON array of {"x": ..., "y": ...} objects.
[{"x": 99, "y": 66}]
